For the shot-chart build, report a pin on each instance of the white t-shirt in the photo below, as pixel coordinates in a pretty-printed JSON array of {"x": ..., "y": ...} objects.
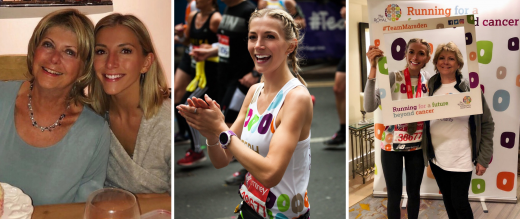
[{"x": 451, "y": 138}]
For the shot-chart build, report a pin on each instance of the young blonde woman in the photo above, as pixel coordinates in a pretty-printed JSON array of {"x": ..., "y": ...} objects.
[
  {"x": 131, "y": 92},
  {"x": 402, "y": 141},
  {"x": 271, "y": 135}
]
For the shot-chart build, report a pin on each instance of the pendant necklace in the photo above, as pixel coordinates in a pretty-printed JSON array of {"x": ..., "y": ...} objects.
[{"x": 35, "y": 124}]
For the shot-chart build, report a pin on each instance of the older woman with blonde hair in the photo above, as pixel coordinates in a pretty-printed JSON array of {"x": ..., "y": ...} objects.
[
  {"x": 131, "y": 92},
  {"x": 453, "y": 146},
  {"x": 54, "y": 148}
]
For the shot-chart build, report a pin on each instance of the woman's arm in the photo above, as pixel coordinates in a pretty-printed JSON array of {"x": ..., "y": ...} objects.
[
  {"x": 210, "y": 123},
  {"x": 215, "y": 22},
  {"x": 486, "y": 139},
  {"x": 186, "y": 35},
  {"x": 371, "y": 97},
  {"x": 217, "y": 153}
]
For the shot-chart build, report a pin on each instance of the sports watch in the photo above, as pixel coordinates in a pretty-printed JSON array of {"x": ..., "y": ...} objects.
[{"x": 225, "y": 138}]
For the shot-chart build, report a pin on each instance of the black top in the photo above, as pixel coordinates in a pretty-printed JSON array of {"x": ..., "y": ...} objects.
[
  {"x": 202, "y": 35},
  {"x": 235, "y": 61}
]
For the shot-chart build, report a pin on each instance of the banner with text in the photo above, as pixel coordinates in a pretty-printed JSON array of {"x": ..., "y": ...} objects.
[{"x": 497, "y": 42}]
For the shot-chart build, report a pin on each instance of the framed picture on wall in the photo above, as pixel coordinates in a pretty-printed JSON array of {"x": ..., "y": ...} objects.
[{"x": 364, "y": 43}]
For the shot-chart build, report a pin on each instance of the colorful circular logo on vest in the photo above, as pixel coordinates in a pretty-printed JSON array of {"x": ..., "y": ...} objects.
[{"x": 393, "y": 12}]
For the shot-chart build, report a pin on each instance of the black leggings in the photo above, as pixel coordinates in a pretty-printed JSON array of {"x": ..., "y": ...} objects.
[
  {"x": 392, "y": 163},
  {"x": 454, "y": 187}
]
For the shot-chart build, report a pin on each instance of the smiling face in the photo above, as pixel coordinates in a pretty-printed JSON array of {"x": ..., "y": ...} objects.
[
  {"x": 417, "y": 56},
  {"x": 56, "y": 62},
  {"x": 267, "y": 45},
  {"x": 119, "y": 60},
  {"x": 447, "y": 63}
]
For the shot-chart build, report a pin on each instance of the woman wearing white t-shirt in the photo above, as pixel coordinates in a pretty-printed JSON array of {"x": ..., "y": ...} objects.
[{"x": 454, "y": 145}]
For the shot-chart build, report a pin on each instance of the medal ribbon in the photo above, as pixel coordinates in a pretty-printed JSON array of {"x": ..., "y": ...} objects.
[{"x": 408, "y": 82}]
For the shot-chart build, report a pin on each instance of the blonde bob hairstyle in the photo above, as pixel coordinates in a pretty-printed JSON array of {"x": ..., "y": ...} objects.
[
  {"x": 82, "y": 27},
  {"x": 450, "y": 47},
  {"x": 153, "y": 88},
  {"x": 423, "y": 42},
  {"x": 291, "y": 31}
]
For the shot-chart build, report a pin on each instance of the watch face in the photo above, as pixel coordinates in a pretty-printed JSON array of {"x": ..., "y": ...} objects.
[{"x": 223, "y": 138}]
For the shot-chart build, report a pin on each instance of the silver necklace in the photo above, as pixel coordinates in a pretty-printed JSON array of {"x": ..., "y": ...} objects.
[{"x": 35, "y": 124}]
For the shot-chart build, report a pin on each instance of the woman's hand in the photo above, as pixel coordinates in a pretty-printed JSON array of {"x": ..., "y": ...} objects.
[
  {"x": 480, "y": 170},
  {"x": 206, "y": 117},
  {"x": 373, "y": 53}
]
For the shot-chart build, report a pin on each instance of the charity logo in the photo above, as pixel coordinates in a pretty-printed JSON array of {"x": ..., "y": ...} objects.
[
  {"x": 393, "y": 12},
  {"x": 466, "y": 100}
]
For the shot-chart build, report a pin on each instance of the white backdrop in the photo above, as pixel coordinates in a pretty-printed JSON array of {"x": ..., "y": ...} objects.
[{"x": 499, "y": 64}]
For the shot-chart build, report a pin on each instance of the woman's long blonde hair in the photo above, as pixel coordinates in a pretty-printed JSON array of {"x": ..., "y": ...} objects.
[
  {"x": 291, "y": 31},
  {"x": 153, "y": 88}
]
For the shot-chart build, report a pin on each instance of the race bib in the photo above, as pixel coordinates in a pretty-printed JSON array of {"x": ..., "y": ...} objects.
[
  {"x": 223, "y": 46},
  {"x": 255, "y": 195},
  {"x": 402, "y": 140}
]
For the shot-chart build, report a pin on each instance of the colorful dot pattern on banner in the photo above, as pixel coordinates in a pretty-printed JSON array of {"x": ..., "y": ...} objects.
[
  {"x": 485, "y": 51},
  {"x": 379, "y": 129},
  {"x": 507, "y": 139},
  {"x": 383, "y": 69},
  {"x": 473, "y": 80},
  {"x": 398, "y": 49},
  {"x": 505, "y": 181},
  {"x": 478, "y": 186},
  {"x": 469, "y": 38},
  {"x": 472, "y": 56},
  {"x": 501, "y": 100},
  {"x": 501, "y": 72},
  {"x": 513, "y": 44},
  {"x": 377, "y": 42},
  {"x": 382, "y": 94}
]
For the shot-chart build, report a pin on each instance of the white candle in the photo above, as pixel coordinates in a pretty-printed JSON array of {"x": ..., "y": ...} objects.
[{"x": 361, "y": 97}]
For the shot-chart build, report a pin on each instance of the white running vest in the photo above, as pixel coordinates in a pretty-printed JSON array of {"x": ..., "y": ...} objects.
[{"x": 289, "y": 198}]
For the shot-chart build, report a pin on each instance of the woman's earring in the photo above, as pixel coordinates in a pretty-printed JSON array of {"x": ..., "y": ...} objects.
[{"x": 142, "y": 77}]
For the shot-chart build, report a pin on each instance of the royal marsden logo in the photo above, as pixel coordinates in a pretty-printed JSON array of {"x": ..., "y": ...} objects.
[
  {"x": 393, "y": 12},
  {"x": 465, "y": 102}
]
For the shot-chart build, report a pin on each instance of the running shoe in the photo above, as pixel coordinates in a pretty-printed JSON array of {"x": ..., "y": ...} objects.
[
  {"x": 337, "y": 139},
  {"x": 180, "y": 138},
  {"x": 237, "y": 177},
  {"x": 191, "y": 158}
]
